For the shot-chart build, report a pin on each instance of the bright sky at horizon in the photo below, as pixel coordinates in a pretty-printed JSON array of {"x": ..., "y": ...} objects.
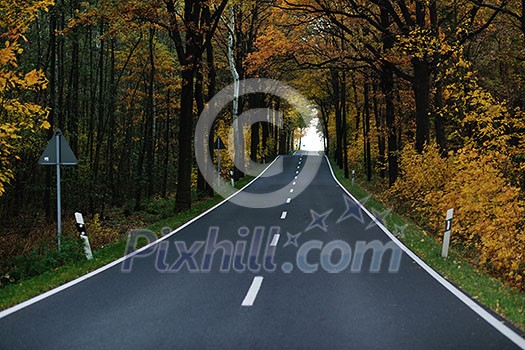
[{"x": 312, "y": 141}]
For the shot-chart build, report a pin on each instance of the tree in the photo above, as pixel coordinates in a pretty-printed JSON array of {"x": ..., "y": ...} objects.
[
  {"x": 18, "y": 115},
  {"x": 189, "y": 46}
]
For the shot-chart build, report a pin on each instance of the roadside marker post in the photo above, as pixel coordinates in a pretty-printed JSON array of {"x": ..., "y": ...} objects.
[
  {"x": 81, "y": 228},
  {"x": 231, "y": 178},
  {"x": 58, "y": 153},
  {"x": 446, "y": 236},
  {"x": 353, "y": 177}
]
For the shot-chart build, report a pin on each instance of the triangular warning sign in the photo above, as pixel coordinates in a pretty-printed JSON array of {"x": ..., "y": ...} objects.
[
  {"x": 65, "y": 154},
  {"x": 219, "y": 144}
]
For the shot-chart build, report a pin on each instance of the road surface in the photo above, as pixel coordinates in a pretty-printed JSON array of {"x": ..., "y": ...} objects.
[{"x": 315, "y": 272}]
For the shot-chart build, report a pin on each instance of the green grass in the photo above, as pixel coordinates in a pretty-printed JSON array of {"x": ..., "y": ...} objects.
[
  {"x": 13, "y": 294},
  {"x": 507, "y": 302}
]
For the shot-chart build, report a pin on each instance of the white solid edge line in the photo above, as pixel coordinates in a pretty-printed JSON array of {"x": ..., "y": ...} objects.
[
  {"x": 283, "y": 215},
  {"x": 252, "y": 291},
  {"x": 493, "y": 321},
  {"x": 58, "y": 289},
  {"x": 275, "y": 240}
]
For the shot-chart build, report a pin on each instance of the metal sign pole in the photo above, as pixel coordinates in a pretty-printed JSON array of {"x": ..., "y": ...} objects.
[
  {"x": 59, "y": 209},
  {"x": 58, "y": 153}
]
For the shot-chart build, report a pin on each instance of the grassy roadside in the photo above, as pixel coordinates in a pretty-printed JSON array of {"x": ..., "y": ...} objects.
[
  {"x": 492, "y": 293},
  {"x": 13, "y": 294}
]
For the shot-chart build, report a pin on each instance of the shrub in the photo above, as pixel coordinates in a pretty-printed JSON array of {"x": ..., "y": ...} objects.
[
  {"x": 489, "y": 216},
  {"x": 44, "y": 258}
]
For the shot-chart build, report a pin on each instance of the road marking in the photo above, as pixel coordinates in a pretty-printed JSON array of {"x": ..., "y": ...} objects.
[
  {"x": 300, "y": 163},
  {"x": 296, "y": 177},
  {"x": 297, "y": 172},
  {"x": 291, "y": 190},
  {"x": 69, "y": 284},
  {"x": 249, "y": 299},
  {"x": 288, "y": 200},
  {"x": 294, "y": 183},
  {"x": 474, "y": 306},
  {"x": 298, "y": 166},
  {"x": 283, "y": 215},
  {"x": 275, "y": 240}
]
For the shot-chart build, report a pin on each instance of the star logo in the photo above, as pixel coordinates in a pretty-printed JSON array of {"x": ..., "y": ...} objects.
[
  {"x": 353, "y": 210},
  {"x": 365, "y": 199},
  {"x": 379, "y": 217},
  {"x": 399, "y": 231},
  {"x": 319, "y": 220},
  {"x": 292, "y": 239}
]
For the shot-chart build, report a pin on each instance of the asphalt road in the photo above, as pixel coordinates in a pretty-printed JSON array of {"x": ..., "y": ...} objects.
[{"x": 314, "y": 273}]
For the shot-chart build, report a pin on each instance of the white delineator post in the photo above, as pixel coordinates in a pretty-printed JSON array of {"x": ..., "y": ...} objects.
[
  {"x": 446, "y": 236},
  {"x": 81, "y": 228}
]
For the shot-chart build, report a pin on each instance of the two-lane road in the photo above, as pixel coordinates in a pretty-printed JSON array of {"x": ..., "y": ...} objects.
[{"x": 313, "y": 272}]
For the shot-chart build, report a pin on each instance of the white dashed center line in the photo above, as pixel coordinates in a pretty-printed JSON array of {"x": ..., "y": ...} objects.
[
  {"x": 291, "y": 190},
  {"x": 275, "y": 240},
  {"x": 283, "y": 215},
  {"x": 249, "y": 299}
]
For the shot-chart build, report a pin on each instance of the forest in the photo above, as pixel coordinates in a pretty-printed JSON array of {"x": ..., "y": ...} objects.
[{"x": 422, "y": 98}]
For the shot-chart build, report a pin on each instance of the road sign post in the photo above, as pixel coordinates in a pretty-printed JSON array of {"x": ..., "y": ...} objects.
[
  {"x": 446, "y": 236},
  {"x": 58, "y": 153}
]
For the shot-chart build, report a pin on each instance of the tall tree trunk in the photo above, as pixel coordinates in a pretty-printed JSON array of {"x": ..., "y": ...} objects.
[
  {"x": 51, "y": 103},
  {"x": 199, "y": 101},
  {"x": 387, "y": 87},
  {"x": 61, "y": 63},
  {"x": 73, "y": 93},
  {"x": 380, "y": 132},
  {"x": 101, "y": 107},
  {"x": 344, "y": 126},
  {"x": 366, "y": 129},
  {"x": 146, "y": 153},
  {"x": 183, "y": 197},
  {"x": 110, "y": 152},
  {"x": 439, "y": 122},
  {"x": 421, "y": 87},
  {"x": 338, "y": 118},
  {"x": 212, "y": 82},
  {"x": 166, "y": 145}
]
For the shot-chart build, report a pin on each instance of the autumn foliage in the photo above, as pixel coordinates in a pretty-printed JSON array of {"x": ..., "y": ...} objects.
[
  {"x": 478, "y": 178},
  {"x": 489, "y": 215},
  {"x": 18, "y": 114}
]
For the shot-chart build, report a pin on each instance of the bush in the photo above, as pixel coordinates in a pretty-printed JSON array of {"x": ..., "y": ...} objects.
[
  {"x": 489, "y": 216},
  {"x": 99, "y": 235},
  {"x": 43, "y": 259}
]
